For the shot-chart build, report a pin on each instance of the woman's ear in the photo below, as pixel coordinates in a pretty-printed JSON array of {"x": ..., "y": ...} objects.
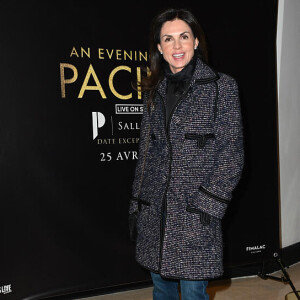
[
  {"x": 196, "y": 43},
  {"x": 159, "y": 48}
]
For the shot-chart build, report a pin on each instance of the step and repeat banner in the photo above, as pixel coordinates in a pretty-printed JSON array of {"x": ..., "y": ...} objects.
[{"x": 69, "y": 133}]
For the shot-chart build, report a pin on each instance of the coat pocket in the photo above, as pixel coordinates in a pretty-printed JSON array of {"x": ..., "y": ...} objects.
[
  {"x": 200, "y": 139},
  {"x": 140, "y": 203},
  {"x": 199, "y": 150},
  {"x": 133, "y": 218},
  {"x": 204, "y": 217}
]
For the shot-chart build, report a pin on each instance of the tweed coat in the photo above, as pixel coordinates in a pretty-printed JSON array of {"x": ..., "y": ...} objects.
[{"x": 186, "y": 171}]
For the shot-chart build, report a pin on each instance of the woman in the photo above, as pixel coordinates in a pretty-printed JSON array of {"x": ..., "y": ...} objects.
[{"x": 190, "y": 160}]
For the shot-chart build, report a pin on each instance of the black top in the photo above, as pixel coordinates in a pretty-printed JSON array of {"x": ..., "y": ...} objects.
[{"x": 177, "y": 84}]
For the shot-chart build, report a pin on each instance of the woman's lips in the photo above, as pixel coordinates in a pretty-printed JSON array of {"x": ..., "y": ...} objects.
[{"x": 178, "y": 56}]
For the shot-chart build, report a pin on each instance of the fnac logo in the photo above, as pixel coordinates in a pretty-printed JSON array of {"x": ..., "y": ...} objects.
[{"x": 98, "y": 121}]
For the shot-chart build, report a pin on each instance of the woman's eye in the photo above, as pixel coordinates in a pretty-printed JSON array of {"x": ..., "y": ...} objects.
[
  {"x": 167, "y": 39},
  {"x": 185, "y": 37}
]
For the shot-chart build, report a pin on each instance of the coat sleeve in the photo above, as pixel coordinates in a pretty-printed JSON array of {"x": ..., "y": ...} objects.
[
  {"x": 144, "y": 129},
  {"x": 215, "y": 192}
]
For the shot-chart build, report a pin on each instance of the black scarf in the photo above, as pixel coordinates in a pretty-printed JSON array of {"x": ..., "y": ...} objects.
[{"x": 177, "y": 84}]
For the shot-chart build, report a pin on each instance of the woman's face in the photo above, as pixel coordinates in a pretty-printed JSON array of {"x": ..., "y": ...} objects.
[{"x": 177, "y": 44}]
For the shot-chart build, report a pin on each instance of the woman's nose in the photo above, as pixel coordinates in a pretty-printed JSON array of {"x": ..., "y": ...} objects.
[{"x": 177, "y": 44}]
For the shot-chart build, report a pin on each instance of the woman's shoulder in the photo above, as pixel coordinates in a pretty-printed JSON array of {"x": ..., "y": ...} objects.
[
  {"x": 226, "y": 77},
  {"x": 227, "y": 81}
]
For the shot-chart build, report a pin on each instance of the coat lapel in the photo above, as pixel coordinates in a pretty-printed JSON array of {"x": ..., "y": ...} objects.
[
  {"x": 184, "y": 112},
  {"x": 199, "y": 93}
]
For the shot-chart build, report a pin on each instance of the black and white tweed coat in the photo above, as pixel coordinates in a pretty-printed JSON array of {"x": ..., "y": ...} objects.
[{"x": 187, "y": 171}]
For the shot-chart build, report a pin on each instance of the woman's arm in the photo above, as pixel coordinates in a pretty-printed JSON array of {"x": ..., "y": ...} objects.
[
  {"x": 144, "y": 131},
  {"x": 215, "y": 193}
]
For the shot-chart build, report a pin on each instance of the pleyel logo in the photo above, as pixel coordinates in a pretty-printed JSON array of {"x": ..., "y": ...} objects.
[
  {"x": 98, "y": 119},
  {"x": 5, "y": 289}
]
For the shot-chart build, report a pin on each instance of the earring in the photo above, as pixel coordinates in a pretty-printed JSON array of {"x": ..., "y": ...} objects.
[{"x": 161, "y": 52}]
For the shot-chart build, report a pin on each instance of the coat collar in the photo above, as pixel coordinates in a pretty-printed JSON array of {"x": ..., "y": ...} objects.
[{"x": 203, "y": 74}]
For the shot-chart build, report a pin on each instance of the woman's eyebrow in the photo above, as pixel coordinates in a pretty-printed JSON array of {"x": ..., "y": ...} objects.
[{"x": 182, "y": 33}]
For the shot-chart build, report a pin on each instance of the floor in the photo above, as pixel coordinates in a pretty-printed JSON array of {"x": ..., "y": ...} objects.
[{"x": 250, "y": 288}]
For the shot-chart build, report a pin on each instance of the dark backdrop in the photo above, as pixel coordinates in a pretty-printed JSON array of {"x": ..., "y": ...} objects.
[{"x": 64, "y": 192}]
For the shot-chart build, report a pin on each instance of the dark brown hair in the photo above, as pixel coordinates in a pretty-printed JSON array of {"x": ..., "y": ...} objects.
[{"x": 155, "y": 58}]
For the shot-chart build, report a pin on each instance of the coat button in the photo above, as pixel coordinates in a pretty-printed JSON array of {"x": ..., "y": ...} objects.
[
  {"x": 177, "y": 120},
  {"x": 164, "y": 179}
]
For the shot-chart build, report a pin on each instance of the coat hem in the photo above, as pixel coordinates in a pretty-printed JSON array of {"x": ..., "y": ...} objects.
[{"x": 179, "y": 277}]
